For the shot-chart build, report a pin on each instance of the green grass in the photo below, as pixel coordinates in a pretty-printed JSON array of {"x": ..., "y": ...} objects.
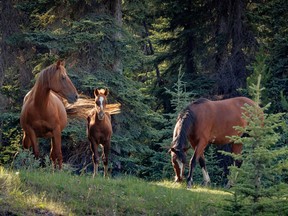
[{"x": 60, "y": 193}]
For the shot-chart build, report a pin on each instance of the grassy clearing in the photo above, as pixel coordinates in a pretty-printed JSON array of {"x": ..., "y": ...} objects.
[{"x": 60, "y": 193}]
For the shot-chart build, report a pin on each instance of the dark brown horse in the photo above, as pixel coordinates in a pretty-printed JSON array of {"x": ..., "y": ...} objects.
[
  {"x": 99, "y": 130},
  {"x": 43, "y": 113},
  {"x": 204, "y": 122}
]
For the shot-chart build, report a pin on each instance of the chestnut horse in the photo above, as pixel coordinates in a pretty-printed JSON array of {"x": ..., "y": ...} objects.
[
  {"x": 99, "y": 130},
  {"x": 204, "y": 122},
  {"x": 43, "y": 113}
]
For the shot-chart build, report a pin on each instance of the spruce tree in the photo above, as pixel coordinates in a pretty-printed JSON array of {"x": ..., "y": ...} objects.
[
  {"x": 180, "y": 98},
  {"x": 258, "y": 188}
]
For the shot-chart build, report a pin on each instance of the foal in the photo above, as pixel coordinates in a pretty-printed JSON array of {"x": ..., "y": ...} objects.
[{"x": 99, "y": 130}]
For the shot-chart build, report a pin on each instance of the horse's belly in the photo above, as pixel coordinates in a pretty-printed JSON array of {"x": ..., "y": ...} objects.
[
  {"x": 43, "y": 131},
  {"x": 223, "y": 138},
  {"x": 44, "y": 134}
]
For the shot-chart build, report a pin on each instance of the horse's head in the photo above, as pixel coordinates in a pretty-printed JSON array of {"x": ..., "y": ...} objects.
[
  {"x": 61, "y": 83},
  {"x": 100, "y": 102},
  {"x": 178, "y": 159}
]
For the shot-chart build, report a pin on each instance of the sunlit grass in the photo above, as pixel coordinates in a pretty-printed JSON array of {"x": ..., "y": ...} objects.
[
  {"x": 15, "y": 200},
  {"x": 66, "y": 194},
  {"x": 197, "y": 188}
]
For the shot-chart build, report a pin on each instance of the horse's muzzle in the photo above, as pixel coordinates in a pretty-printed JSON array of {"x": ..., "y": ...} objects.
[
  {"x": 101, "y": 115},
  {"x": 72, "y": 98}
]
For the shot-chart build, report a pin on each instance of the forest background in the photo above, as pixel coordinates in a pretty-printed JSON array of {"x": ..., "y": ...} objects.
[{"x": 154, "y": 56}]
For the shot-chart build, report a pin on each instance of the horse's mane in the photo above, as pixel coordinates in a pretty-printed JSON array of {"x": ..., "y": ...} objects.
[
  {"x": 44, "y": 76},
  {"x": 200, "y": 101},
  {"x": 186, "y": 120}
]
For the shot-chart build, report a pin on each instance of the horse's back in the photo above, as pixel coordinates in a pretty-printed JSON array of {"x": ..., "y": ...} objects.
[{"x": 215, "y": 119}]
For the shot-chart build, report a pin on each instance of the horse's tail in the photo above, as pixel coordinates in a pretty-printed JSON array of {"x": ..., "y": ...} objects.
[{"x": 83, "y": 106}]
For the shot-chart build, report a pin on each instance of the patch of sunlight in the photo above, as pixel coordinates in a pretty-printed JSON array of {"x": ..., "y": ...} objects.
[
  {"x": 41, "y": 202},
  {"x": 210, "y": 191},
  {"x": 170, "y": 184}
]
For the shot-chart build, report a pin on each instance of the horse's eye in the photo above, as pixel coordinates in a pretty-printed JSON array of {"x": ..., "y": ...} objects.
[{"x": 63, "y": 77}]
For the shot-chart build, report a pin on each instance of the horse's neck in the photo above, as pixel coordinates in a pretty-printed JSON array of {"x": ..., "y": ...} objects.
[
  {"x": 41, "y": 94},
  {"x": 96, "y": 117}
]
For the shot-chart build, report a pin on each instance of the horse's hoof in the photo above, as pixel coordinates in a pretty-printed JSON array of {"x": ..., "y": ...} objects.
[
  {"x": 205, "y": 184},
  {"x": 189, "y": 185},
  {"x": 228, "y": 186}
]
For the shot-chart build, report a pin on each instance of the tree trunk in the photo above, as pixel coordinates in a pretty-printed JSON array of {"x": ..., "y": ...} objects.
[
  {"x": 12, "y": 57},
  {"x": 222, "y": 35},
  {"x": 230, "y": 37},
  {"x": 189, "y": 61},
  {"x": 116, "y": 9}
]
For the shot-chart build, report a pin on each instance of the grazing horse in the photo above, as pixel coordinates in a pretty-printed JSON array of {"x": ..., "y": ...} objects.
[
  {"x": 43, "y": 113},
  {"x": 204, "y": 122},
  {"x": 99, "y": 130}
]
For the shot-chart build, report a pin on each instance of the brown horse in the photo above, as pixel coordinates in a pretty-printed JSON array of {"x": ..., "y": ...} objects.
[
  {"x": 204, "y": 122},
  {"x": 99, "y": 130},
  {"x": 43, "y": 113}
]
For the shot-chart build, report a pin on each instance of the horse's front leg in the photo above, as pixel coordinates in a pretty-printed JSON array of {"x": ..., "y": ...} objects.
[
  {"x": 206, "y": 177},
  {"x": 95, "y": 156},
  {"x": 192, "y": 165},
  {"x": 30, "y": 139},
  {"x": 56, "y": 151},
  {"x": 105, "y": 156},
  {"x": 198, "y": 151},
  {"x": 26, "y": 142}
]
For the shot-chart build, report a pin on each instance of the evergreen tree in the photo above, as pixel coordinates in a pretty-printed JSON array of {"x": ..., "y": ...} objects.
[
  {"x": 269, "y": 19},
  {"x": 89, "y": 35},
  {"x": 180, "y": 98},
  {"x": 257, "y": 182}
]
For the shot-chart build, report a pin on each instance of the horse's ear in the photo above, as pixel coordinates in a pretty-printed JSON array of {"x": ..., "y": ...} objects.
[
  {"x": 106, "y": 92},
  {"x": 96, "y": 92},
  {"x": 60, "y": 62}
]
